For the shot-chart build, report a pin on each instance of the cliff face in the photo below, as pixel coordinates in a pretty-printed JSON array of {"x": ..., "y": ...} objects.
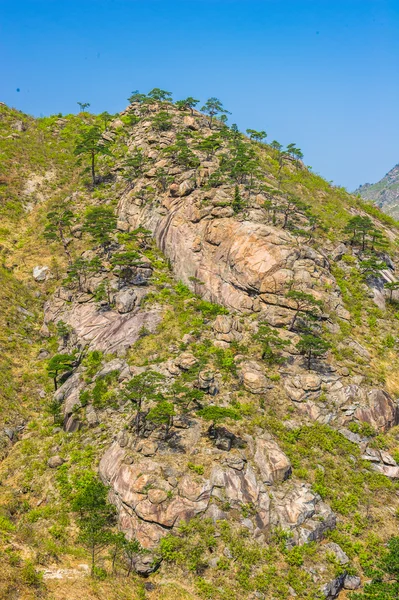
[
  {"x": 384, "y": 193},
  {"x": 192, "y": 391}
]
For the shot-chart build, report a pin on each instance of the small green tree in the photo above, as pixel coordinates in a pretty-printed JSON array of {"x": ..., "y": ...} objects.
[
  {"x": 80, "y": 269},
  {"x": 189, "y": 103},
  {"x": 162, "y": 121},
  {"x": 311, "y": 346},
  {"x": 391, "y": 286},
  {"x": 237, "y": 204},
  {"x": 123, "y": 262},
  {"x": 131, "y": 548},
  {"x": 158, "y": 95},
  {"x": 361, "y": 229},
  {"x": 272, "y": 344},
  {"x": 100, "y": 223},
  {"x": 372, "y": 267},
  {"x": 217, "y": 414},
  {"x": 163, "y": 178},
  {"x": 142, "y": 388},
  {"x": 133, "y": 166},
  {"x": 60, "y": 364},
  {"x": 91, "y": 143},
  {"x": 83, "y": 106},
  {"x": 58, "y": 228},
  {"x": 95, "y": 515},
  {"x": 258, "y": 136},
  {"x": 105, "y": 118},
  {"x": 213, "y": 107},
  {"x": 209, "y": 145},
  {"x": 303, "y": 303},
  {"x": 136, "y": 96},
  {"x": 162, "y": 414},
  {"x": 385, "y": 577}
]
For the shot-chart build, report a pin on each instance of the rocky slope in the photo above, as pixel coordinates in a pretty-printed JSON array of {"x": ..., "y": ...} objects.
[
  {"x": 385, "y": 193},
  {"x": 244, "y": 465}
]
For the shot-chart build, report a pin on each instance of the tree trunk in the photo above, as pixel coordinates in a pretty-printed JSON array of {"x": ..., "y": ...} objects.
[
  {"x": 290, "y": 328},
  {"x": 93, "y": 173}
]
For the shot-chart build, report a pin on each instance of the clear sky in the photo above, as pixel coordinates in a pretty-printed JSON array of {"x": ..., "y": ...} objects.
[{"x": 321, "y": 73}]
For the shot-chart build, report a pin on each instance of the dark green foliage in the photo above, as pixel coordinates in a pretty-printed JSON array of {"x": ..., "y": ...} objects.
[
  {"x": 237, "y": 203},
  {"x": 83, "y": 106},
  {"x": 182, "y": 153},
  {"x": 158, "y": 95},
  {"x": 209, "y": 145},
  {"x": 133, "y": 165},
  {"x": 189, "y": 103},
  {"x": 272, "y": 344},
  {"x": 162, "y": 121},
  {"x": 60, "y": 364},
  {"x": 95, "y": 515},
  {"x": 162, "y": 414},
  {"x": 312, "y": 346},
  {"x": 80, "y": 269},
  {"x": 303, "y": 303},
  {"x": 123, "y": 262},
  {"x": 372, "y": 266},
  {"x": 364, "y": 234},
  {"x": 216, "y": 414},
  {"x": 385, "y": 577},
  {"x": 137, "y": 97},
  {"x": 258, "y": 136},
  {"x": 141, "y": 388},
  {"x": 100, "y": 224},
  {"x": 213, "y": 107},
  {"x": 59, "y": 222},
  {"x": 391, "y": 286},
  {"x": 90, "y": 143}
]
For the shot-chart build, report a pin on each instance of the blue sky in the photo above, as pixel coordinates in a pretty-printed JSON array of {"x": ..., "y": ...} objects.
[{"x": 323, "y": 74}]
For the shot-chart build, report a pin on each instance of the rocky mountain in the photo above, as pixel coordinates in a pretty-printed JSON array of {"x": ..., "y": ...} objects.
[
  {"x": 199, "y": 384},
  {"x": 384, "y": 193}
]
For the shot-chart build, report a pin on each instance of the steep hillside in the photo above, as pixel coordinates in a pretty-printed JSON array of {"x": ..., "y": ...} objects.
[
  {"x": 200, "y": 340},
  {"x": 385, "y": 193}
]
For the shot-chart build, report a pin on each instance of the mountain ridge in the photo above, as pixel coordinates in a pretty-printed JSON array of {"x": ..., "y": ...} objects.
[{"x": 201, "y": 263}]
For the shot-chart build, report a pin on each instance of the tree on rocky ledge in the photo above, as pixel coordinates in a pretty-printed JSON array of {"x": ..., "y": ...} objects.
[
  {"x": 303, "y": 303},
  {"x": 189, "y": 103},
  {"x": 100, "y": 223},
  {"x": 311, "y": 346},
  {"x": 91, "y": 143},
  {"x": 214, "y": 107}
]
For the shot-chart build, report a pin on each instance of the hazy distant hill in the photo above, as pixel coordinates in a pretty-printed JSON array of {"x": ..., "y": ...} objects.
[{"x": 385, "y": 193}]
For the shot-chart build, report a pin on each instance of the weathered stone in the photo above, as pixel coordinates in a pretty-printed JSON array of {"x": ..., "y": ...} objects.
[
  {"x": 351, "y": 582},
  {"x": 40, "y": 273},
  {"x": 300, "y": 510},
  {"x": 337, "y": 551},
  {"x": 125, "y": 301},
  {"x": 91, "y": 416},
  {"x": 272, "y": 462},
  {"x": 302, "y": 387},
  {"x": 381, "y": 411},
  {"x": 55, "y": 461},
  {"x": 224, "y": 439},
  {"x": 186, "y": 360},
  {"x": 331, "y": 589},
  {"x": 157, "y": 496},
  {"x": 253, "y": 379}
]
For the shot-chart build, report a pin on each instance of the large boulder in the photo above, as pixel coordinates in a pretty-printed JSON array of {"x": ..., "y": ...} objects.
[{"x": 273, "y": 464}]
